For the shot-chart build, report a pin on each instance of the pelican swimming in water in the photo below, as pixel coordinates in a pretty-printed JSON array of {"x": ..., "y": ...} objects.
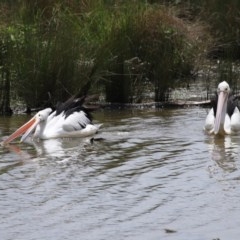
[
  {"x": 224, "y": 117},
  {"x": 69, "y": 119}
]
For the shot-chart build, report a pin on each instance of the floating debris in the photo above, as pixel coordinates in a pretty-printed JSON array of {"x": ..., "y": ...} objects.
[{"x": 167, "y": 230}]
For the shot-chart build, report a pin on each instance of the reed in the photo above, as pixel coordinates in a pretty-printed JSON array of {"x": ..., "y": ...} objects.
[
  {"x": 159, "y": 40},
  {"x": 58, "y": 48},
  {"x": 222, "y": 18}
]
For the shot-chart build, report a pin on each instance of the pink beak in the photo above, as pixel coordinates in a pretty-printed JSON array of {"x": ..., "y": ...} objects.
[
  {"x": 27, "y": 126},
  {"x": 221, "y": 111}
]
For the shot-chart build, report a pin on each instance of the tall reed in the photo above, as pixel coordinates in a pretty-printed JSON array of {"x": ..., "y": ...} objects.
[
  {"x": 157, "y": 38},
  {"x": 59, "y": 48}
]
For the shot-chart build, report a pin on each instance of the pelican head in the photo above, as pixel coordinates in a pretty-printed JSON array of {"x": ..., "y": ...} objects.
[
  {"x": 27, "y": 128},
  {"x": 223, "y": 91}
]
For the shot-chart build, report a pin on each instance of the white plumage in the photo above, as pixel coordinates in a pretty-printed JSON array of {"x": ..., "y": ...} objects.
[
  {"x": 224, "y": 117},
  {"x": 70, "y": 119}
]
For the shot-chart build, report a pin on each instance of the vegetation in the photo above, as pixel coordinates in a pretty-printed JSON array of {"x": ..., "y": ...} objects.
[{"x": 51, "y": 49}]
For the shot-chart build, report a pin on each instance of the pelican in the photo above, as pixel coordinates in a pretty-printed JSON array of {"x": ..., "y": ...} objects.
[
  {"x": 69, "y": 119},
  {"x": 224, "y": 117}
]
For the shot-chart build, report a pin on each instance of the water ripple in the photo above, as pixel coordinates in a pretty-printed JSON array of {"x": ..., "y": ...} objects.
[{"x": 146, "y": 171}]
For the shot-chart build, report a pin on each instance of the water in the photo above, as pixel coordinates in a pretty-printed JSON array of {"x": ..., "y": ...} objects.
[{"x": 149, "y": 174}]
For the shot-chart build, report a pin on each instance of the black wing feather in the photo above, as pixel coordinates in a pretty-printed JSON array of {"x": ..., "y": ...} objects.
[{"x": 76, "y": 104}]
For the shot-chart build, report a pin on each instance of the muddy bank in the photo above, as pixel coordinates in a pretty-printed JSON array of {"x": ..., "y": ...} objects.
[
  {"x": 174, "y": 104},
  {"x": 149, "y": 105}
]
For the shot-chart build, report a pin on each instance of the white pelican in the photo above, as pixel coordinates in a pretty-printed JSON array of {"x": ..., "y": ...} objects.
[
  {"x": 69, "y": 119},
  {"x": 224, "y": 117}
]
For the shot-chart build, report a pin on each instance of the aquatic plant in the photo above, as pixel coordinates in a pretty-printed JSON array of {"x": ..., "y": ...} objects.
[
  {"x": 159, "y": 40},
  {"x": 222, "y": 18},
  {"x": 124, "y": 49}
]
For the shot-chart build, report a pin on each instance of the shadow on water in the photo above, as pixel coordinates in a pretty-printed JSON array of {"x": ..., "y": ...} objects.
[
  {"x": 12, "y": 156},
  {"x": 9, "y": 167}
]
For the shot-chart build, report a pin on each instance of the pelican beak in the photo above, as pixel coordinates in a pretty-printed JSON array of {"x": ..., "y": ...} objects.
[
  {"x": 30, "y": 130},
  {"x": 27, "y": 128},
  {"x": 221, "y": 111}
]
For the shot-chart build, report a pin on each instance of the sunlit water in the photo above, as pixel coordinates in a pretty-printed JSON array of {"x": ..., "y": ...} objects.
[{"x": 150, "y": 174}]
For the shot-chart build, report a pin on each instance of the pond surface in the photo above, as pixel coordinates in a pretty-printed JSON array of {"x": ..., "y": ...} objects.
[{"x": 150, "y": 174}]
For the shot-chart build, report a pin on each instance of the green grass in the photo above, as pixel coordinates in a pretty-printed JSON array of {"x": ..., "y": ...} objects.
[{"x": 58, "y": 48}]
